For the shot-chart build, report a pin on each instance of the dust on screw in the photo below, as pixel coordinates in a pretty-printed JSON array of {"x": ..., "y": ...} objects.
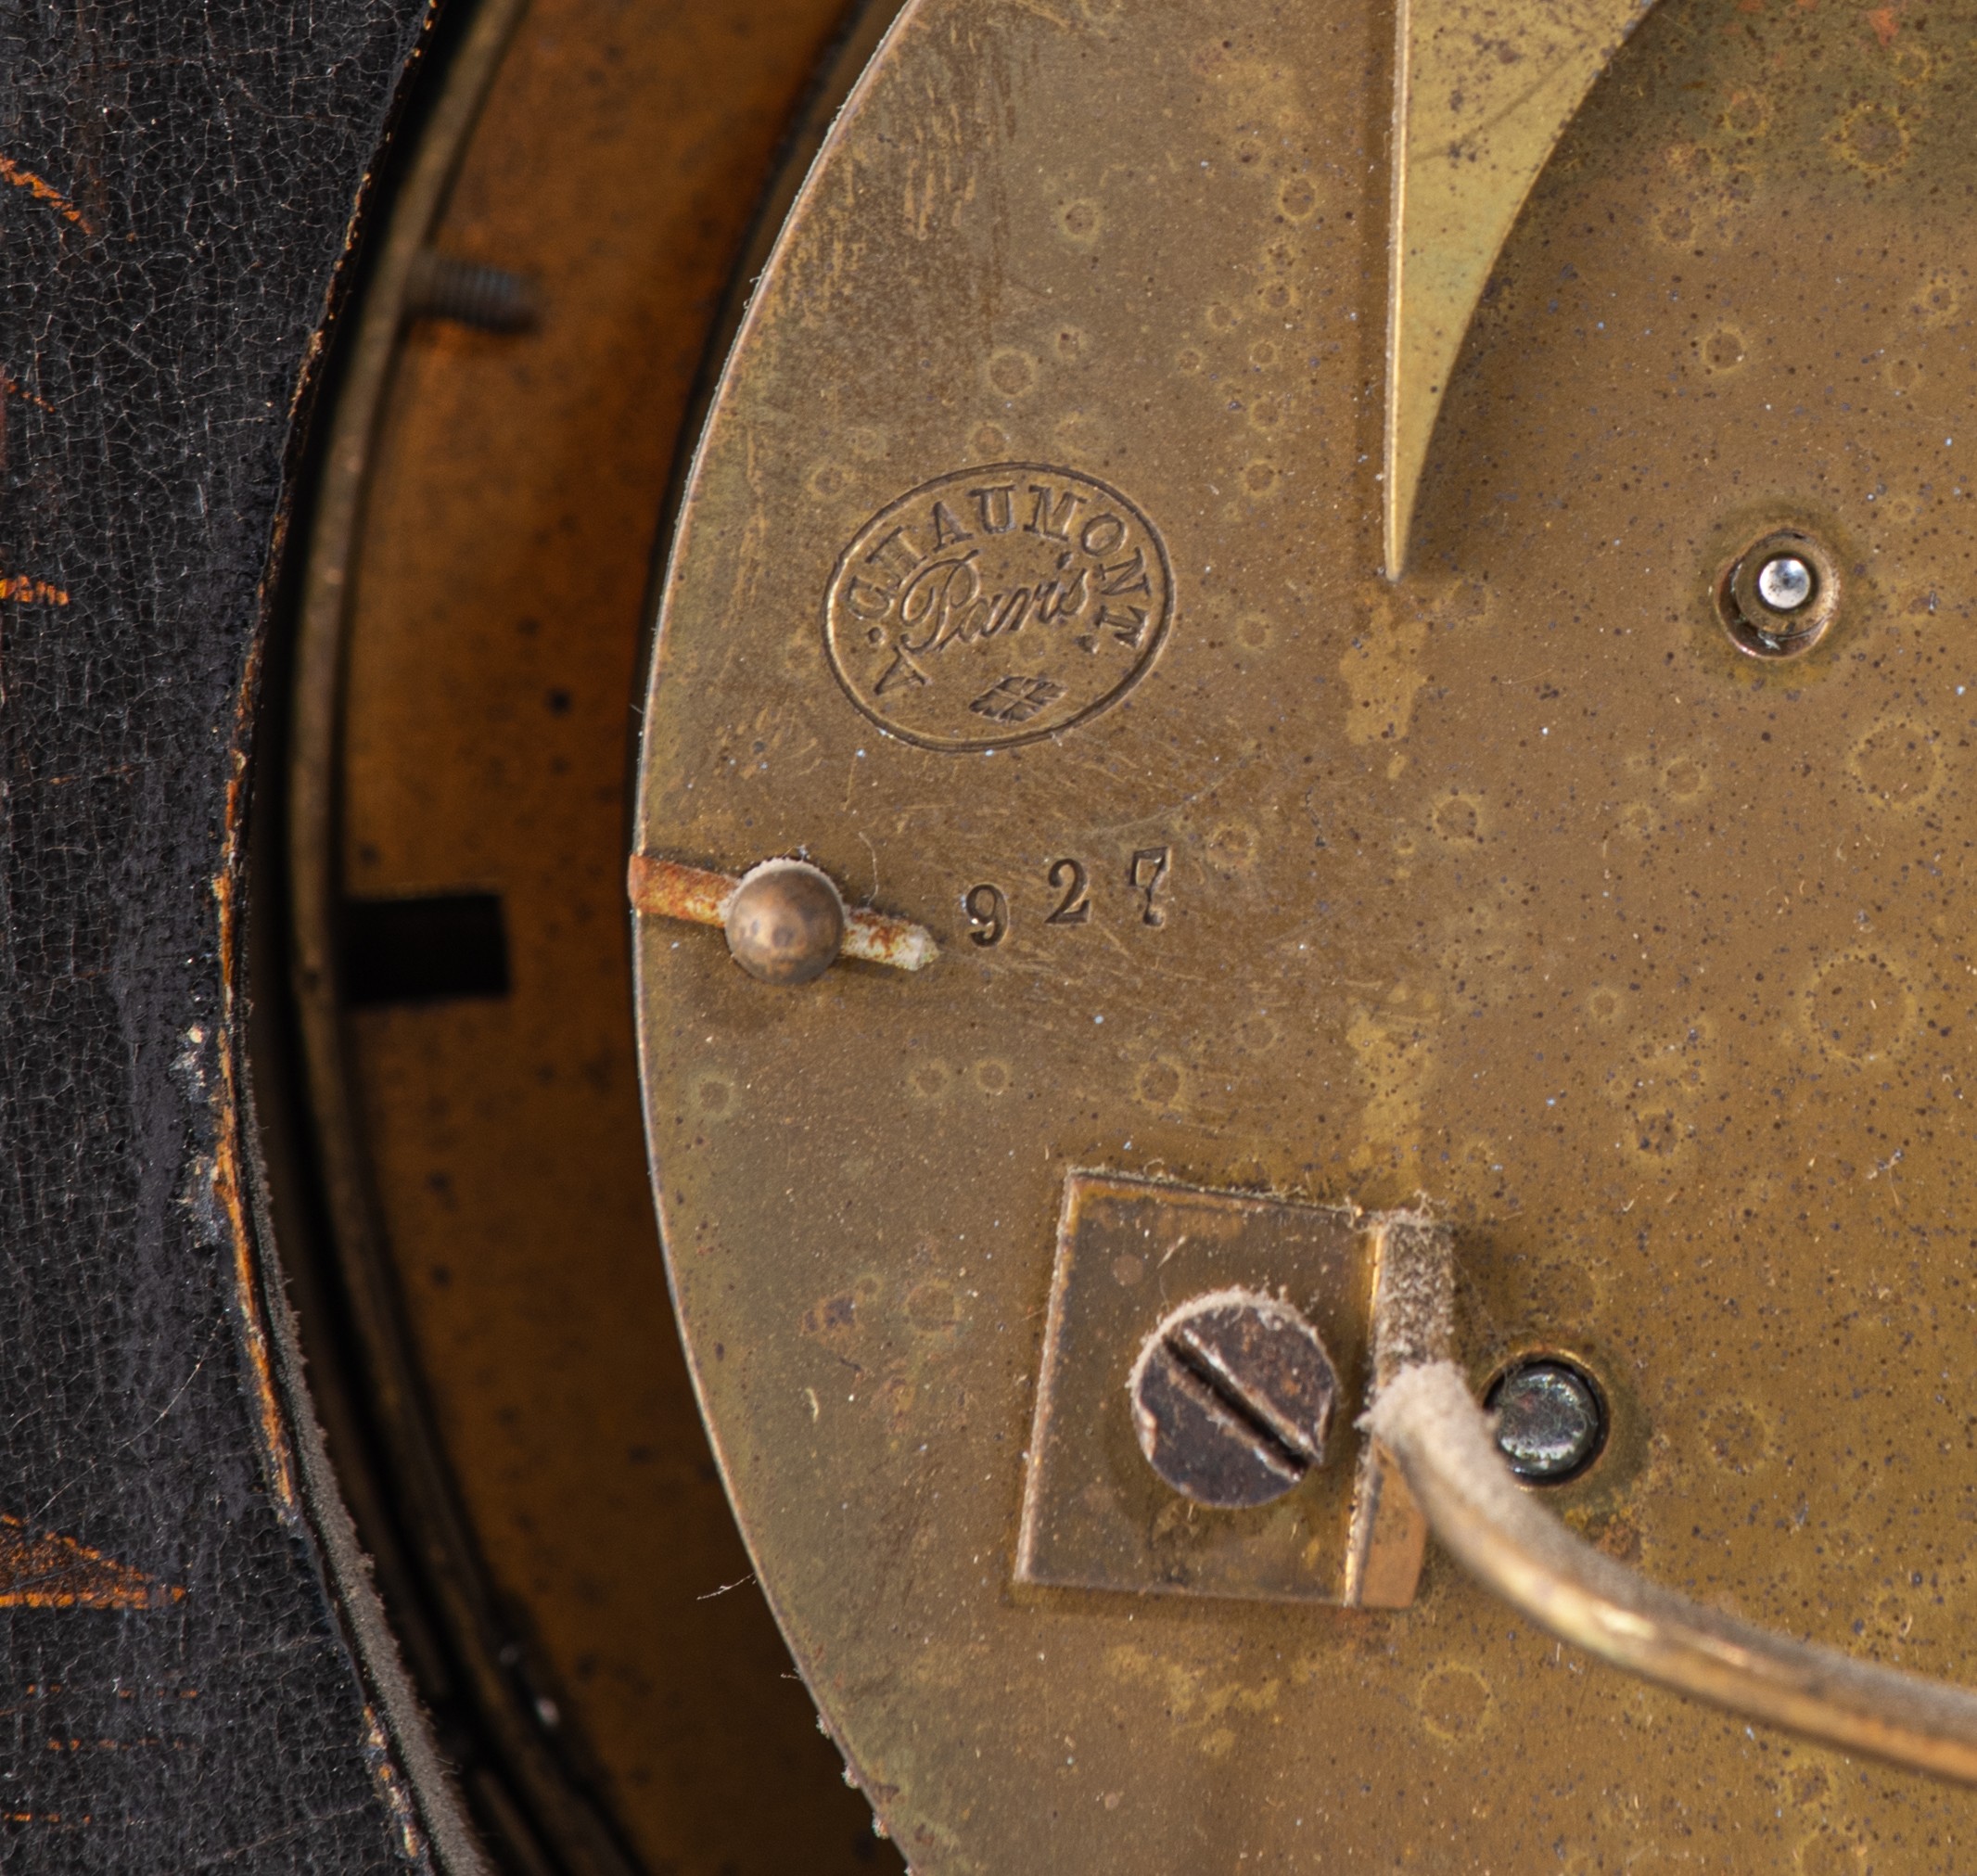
[{"x": 1232, "y": 1397}]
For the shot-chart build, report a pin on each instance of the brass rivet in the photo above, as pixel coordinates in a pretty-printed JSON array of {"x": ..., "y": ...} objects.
[{"x": 785, "y": 923}]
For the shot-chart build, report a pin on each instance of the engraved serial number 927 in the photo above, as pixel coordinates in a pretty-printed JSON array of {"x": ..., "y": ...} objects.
[{"x": 1069, "y": 880}]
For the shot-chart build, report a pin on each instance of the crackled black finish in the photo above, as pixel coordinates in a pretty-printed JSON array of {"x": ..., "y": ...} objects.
[{"x": 178, "y": 184}]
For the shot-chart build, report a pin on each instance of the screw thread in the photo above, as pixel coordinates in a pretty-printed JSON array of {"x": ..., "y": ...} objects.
[{"x": 469, "y": 293}]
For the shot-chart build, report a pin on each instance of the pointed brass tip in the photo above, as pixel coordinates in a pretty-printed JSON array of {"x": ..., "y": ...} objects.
[
  {"x": 1397, "y": 517},
  {"x": 1399, "y": 487}
]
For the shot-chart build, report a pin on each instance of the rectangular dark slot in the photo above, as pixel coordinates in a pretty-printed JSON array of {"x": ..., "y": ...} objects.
[{"x": 418, "y": 950}]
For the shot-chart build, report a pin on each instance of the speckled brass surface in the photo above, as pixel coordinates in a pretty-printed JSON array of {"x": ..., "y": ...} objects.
[{"x": 1516, "y": 885}]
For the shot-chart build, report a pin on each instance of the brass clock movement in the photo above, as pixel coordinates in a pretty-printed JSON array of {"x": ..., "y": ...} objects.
[{"x": 1293, "y": 690}]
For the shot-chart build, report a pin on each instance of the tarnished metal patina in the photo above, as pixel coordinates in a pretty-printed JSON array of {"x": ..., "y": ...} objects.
[
  {"x": 1518, "y": 881},
  {"x": 1232, "y": 1399}
]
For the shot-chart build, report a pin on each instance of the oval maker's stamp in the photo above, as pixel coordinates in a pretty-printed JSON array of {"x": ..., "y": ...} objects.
[{"x": 995, "y": 605}]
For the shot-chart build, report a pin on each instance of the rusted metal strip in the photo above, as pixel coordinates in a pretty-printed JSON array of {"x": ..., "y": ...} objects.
[
  {"x": 666, "y": 890},
  {"x": 882, "y": 940}
]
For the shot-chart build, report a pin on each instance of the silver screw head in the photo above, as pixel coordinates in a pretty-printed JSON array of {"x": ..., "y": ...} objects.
[
  {"x": 1781, "y": 595},
  {"x": 785, "y": 923},
  {"x": 1785, "y": 583},
  {"x": 1551, "y": 1424}
]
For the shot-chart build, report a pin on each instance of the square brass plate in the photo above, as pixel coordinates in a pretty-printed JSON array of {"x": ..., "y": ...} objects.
[{"x": 1095, "y": 1515}]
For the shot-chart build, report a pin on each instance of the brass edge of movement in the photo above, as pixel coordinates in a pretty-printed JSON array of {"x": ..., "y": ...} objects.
[{"x": 1412, "y": 1318}]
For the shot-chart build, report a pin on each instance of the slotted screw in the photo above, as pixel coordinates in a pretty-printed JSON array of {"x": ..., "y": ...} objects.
[{"x": 1233, "y": 1398}]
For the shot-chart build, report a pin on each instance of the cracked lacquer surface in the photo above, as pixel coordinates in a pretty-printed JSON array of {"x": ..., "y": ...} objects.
[{"x": 180, "y": 182}]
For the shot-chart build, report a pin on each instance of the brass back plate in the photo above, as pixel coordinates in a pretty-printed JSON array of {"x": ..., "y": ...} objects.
[{"x": 1516, "y": 883}]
